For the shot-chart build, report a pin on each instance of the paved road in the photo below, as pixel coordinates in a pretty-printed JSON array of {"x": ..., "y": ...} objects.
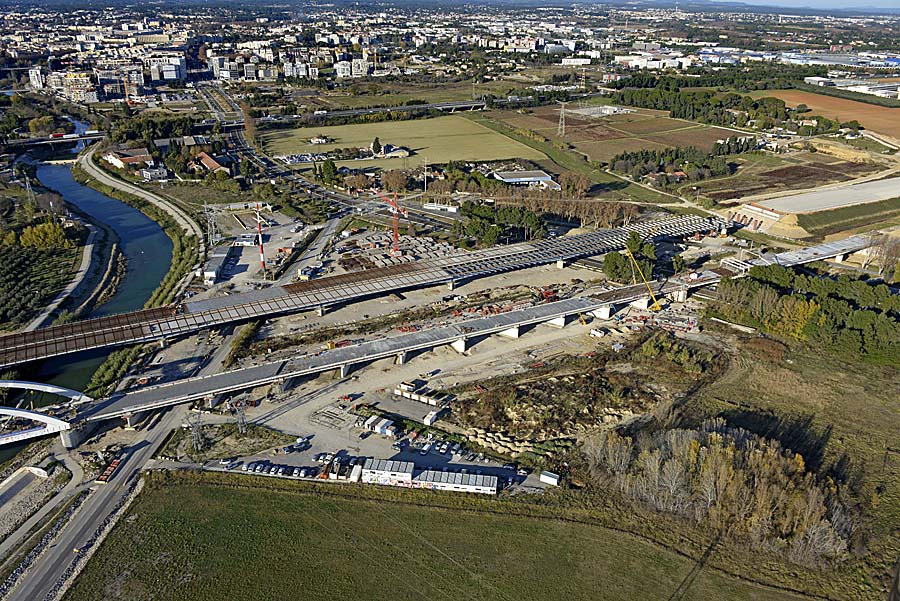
[
  {"x": 47, "y": 570},
  {"x": 183, "y": 220},
  {"x": 835, "y": 196},
  {"x": 311, "y": 254},
  {"x": 72, "y": 487}
]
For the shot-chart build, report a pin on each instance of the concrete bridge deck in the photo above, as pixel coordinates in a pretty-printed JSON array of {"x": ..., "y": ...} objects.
[{"x": 156, "y": 324}]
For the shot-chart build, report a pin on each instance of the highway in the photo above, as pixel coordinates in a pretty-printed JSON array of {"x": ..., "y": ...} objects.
[{"x": 40, "y": 580}]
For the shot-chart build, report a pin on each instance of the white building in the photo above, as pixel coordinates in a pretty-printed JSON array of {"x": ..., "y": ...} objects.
[
  {"x": 36, "y": 78},
  {"x": 343, "y": 69},
  {"x": 168, "y": 68},
  {"x": 400, "y": 473},
  {"x": 359, "y": 67},
  {"x": 550, "y": 478},
  {"x": 387, "y": 472}
]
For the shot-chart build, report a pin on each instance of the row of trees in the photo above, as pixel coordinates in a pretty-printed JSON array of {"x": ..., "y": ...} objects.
[
  {"x": 488, "y": 224},
  {"x": 740, "y": 486},
  {"x": 856, "y": 318},
  {"x": 744, "y": 78},
  {"x": 729, "y": 110}
]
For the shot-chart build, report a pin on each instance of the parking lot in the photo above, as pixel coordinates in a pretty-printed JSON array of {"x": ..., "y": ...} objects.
[{"x": 312, "y": 457}]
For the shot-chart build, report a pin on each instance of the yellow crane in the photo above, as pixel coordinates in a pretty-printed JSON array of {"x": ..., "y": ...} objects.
[{"x": 655, "y": 306}]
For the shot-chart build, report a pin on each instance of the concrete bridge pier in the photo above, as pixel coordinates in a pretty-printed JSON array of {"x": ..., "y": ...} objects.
[
  {"x": 132, "y": 420},
  {"x": 320, "y": 311},
  {"x": 680, "y": 295},
  {"x": 513, "y": 332},
  {"x": 344, "y": 370},
  {"x": 77, "y": 434},
  {"x": 840, "y": 258},
  {"x": 561, "y": 264},
  {"x": 641, "y": 303},
  {"x": 560, "y": 322},
  {"x": 451, "y": 285},
  {"x": 460, "y": 345},
  {"x": 604, "y": 312},
  {"x": 402, "y": 358},
  {"x": 284, "y": 385}
]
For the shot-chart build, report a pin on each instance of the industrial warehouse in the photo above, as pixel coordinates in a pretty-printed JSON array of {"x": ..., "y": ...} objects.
[{"x": 403, "y": 473}]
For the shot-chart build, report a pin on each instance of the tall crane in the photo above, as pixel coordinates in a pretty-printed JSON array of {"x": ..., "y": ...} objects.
[
  {"x": 655, "y": 306},
  {"x": 396, "y": 210}
]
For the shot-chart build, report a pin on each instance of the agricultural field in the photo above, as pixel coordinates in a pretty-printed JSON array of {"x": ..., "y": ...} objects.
[
  {"x": 765, "y": 173},
  {"x": 440, "y": 140},
  {"x": 821, "y": 223},
  {"x": 879, "y": 119},
  {"x": 189, "y": 538},
  {"x": 29, "y": 279},
  {"x": 601, "y": 138}
]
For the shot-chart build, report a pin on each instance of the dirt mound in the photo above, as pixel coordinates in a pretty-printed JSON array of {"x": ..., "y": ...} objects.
[{"x": 788, "y": 227}]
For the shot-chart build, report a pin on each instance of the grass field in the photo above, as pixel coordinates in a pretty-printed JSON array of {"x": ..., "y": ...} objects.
[
  {"x": 440, "y": 140},
  {"x": 195, "y": 541},
  {"x": 603, "y": 138},
  {"x": 877, "y": 118},
  {"x": 394, "y": 93},
  {"x": 606, "y": 185},
  {"x": 838, "y": 220},
  {"x": 846, "y": 409}
]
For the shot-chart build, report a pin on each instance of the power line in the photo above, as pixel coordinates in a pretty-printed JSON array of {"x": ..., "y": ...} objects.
[
  {"x": 561, "y": 127},
  {"x": 195, "y": 422}
]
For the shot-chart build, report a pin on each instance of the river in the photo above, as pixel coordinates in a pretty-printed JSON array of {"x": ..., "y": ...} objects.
[{"x": 148, "y": 252}]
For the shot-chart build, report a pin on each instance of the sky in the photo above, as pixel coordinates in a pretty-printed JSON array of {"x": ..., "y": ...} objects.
[{"x": 828, "y": 4}]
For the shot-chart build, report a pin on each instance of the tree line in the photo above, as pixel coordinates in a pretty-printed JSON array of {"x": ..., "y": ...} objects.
[
  {"x": 488, "y": 224},
  {"x": 741, "y": 486},
  {"x": 855, "y": 318},
  {"x": 694, "y": 163}
]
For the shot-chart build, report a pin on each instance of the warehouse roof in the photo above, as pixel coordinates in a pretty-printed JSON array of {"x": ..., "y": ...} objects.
[
  {"x": 522, "y": 176},
  {"x": 457, "y": 478},
  {"x": 389, "y": 465}
]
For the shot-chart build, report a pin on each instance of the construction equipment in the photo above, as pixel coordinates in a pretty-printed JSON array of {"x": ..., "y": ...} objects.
[
  {"x": 655, "y": 306},
  {"x": 127, "y": 89},
  {"x": 582, "y": 319},
  {"x": 396, "y": 211}
]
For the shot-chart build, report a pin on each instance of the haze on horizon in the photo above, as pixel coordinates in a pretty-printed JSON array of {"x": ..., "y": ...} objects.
[{"x": 826, "y": 4}]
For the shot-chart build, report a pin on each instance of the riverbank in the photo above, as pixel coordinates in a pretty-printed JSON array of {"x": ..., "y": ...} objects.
[
  {"x": 187, "y": 249},
  {"x": 95, "y": 280},
  {"x": 140, "y": 239},
  {"x": 186, "y": 235}
]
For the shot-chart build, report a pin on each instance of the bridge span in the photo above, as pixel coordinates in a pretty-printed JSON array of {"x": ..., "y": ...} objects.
[
  {"x": 192, "y": 316},
  {"x": 460, "y": 336}
]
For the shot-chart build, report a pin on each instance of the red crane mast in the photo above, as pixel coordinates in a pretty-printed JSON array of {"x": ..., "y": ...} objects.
[{"x": 396, "y": 210}]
